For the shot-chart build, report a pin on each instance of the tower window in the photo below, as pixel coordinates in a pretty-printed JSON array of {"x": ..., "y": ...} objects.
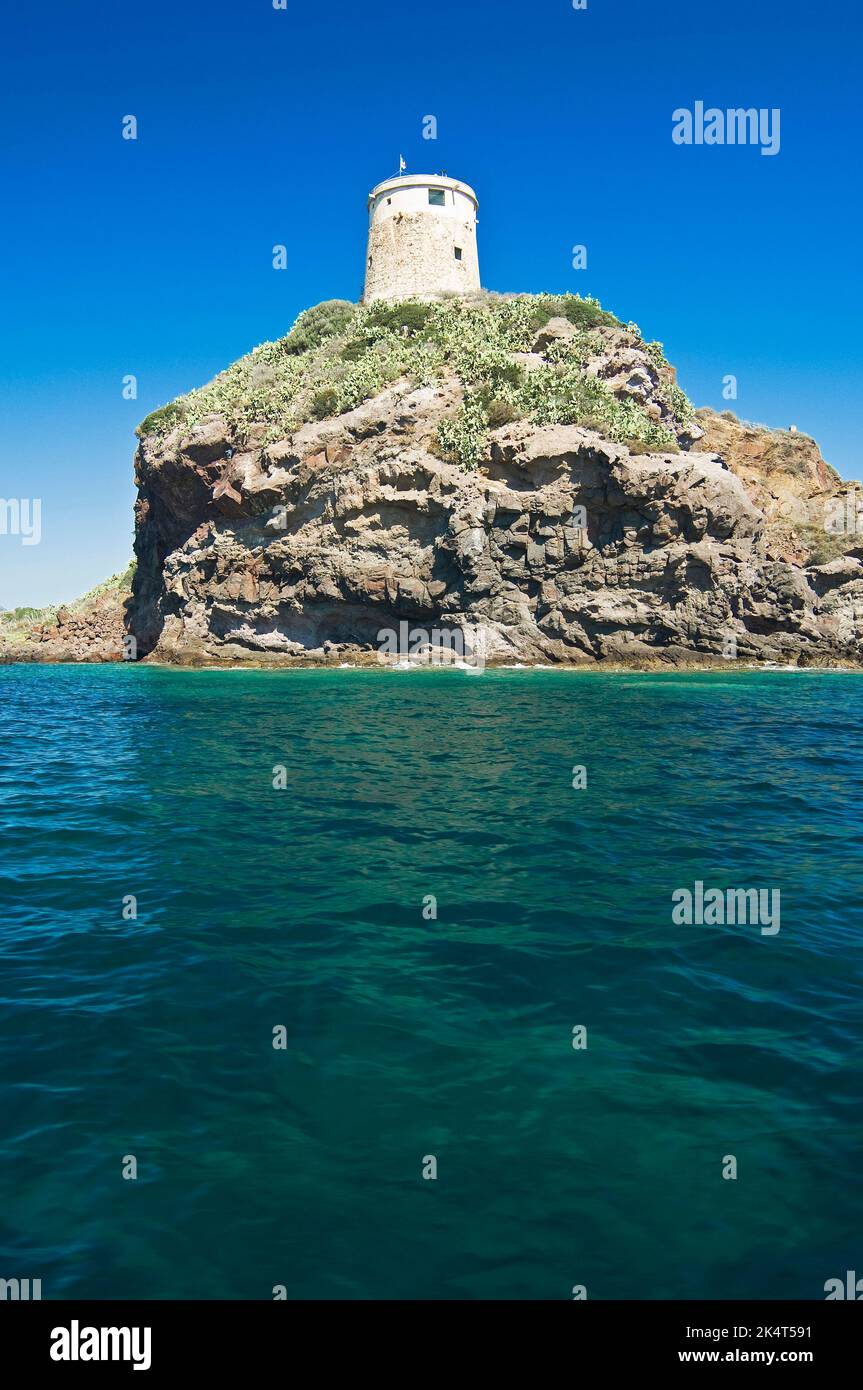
[
  {"x": 436, "y": 197},
  {"x": 458, "y": 253}
]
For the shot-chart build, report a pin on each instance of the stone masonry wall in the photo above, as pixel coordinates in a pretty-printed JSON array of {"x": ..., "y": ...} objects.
[{"x": 412, "y": 255}]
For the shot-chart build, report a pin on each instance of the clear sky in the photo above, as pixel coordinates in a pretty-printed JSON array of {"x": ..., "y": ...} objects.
[{"x": 259, "y": 126}]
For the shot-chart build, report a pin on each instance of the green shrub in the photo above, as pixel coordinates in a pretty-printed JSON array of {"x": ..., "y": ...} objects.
[
  {"x": 463, "y": 440},
  {"x": 500, "y": 412},
  {"x": 563, "y": 395},
  {"x": 587, "y": 313},
  {"x": 317, "y": 324},
  {"x": 509, "y": 374},
  {"x": 545, "y": 308},
  {"x": 499, "y": 405},
  {"x": 394, "y": 318},
  {"x": 656, "y": 353},
  {"x": 163, "y": 420},
  {"x": 324, "y": 403},
  {"x": 584, "y": 313},
  {"x": 475, "y": 343},
  {"x": 677, "y": 401},
  {"x": 385, "y": 321},
  {"x": 355, "y": 349}
]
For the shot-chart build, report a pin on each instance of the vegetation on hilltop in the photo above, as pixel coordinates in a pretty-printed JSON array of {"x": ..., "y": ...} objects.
[{"x": 339, "y": 354}]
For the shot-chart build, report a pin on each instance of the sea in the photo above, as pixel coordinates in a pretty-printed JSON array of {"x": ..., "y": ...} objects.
[{"x": 371, "y": 984}]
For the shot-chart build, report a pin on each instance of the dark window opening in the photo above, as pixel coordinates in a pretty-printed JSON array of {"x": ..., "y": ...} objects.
[
  {"x": 436, "y": 197},
  {"x": 458, "y": 253}
]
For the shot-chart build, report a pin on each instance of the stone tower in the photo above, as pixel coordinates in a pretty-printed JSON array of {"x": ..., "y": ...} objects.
[{"x": 422, "y": 238}]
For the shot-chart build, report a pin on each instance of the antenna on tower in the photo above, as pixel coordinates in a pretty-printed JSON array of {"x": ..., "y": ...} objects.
[{"x": 402, "y": 165}]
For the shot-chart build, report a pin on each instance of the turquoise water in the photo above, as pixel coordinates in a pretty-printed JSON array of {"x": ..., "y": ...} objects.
[{"x": 409, "y": 1037}]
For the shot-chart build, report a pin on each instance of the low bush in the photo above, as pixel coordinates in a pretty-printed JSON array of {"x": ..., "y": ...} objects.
[
  {"x": 324, "y": 403},
  {"x": 407, "y": 316},
  {"x": 163, "y": 420},
  {"x": 363, "y": 349},
  {"x": 500, "y": 412},
  {"x": 587, "y": 313},
  {"x": 583, "y": 313},
  {"x": 355, "y": 349},
  {"x": 317, "y": 324}
]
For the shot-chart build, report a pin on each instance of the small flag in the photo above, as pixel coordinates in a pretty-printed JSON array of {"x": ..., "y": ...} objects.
[{"x": 402, "y": 165}]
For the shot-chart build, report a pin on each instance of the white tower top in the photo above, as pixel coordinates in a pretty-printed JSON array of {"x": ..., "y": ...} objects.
[{"x": 422, "y": 238}]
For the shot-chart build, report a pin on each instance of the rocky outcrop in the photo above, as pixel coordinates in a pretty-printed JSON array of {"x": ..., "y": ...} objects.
[
  {"x": 280, "y": 522},
  {"x": 92, "y": 631},
  {"x": 561, "y": 546},
  {"x": 806, "y": 504}
]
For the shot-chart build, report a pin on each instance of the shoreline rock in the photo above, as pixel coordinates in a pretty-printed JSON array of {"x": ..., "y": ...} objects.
[
  {"x": 352, "y": 525},
  {"x": 280, "y": 523}
]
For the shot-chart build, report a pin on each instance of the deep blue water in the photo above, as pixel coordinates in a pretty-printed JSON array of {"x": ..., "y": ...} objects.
[{"x": 409, "y": 1037}]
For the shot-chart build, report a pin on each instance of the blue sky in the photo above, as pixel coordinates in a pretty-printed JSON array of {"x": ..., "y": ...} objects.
[{"x": 259, "y": 126}]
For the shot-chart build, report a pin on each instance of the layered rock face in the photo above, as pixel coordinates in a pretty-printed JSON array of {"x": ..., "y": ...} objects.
[
  {"x": 805, "y": 502},
  {"x": 522, "y": 471},
  {"x": 561, "y": 546}
]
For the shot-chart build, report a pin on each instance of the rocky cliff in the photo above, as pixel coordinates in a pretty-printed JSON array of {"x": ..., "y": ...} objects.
[
  {"x": 805, "y": 503},
  {"x": 526, "y": 467}
]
